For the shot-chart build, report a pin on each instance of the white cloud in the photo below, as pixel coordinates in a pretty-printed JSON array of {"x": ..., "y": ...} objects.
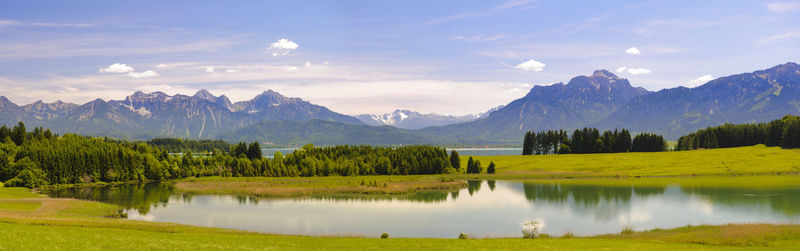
[
  {"x": 232, "y": 70},
  {"x": 282, "y": 47},
  {"x": 633, "y": 51},
  {"x": 145, "y": 74},
  {"x": 633, "y": 71},
  {"x": 307, "y": 64},
  {"x": 326, "y": 63},
  {"x": 162, "y": 66},
  {"x": 209, "y": 69},
  {"x": 117, "y": 68},
  {"x": 782, "y": 36},
  {"x": 480, "y": 38},
  {"x": 779, "y": 7},
  {"x": 530, "y": 65},
  {"x": 514, "y": 3},
  {"x": 638, "y": 71},
  {"x": 700, "y": 80},
  {"x": 291, "y": 68}
]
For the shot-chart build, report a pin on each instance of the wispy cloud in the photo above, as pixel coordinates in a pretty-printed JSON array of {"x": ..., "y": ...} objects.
[
  {"x": 780, "y": 7},
  {"x": 633, "y": 71},
  {"x": 514, "y": 3},
  {"x": 480, "y": 38},
  {"x": 68, "y": 45},
  {"x": 144, "y": 74},
  {"x": 783, "y": 36},
  {"x": 6, "y": 23}
]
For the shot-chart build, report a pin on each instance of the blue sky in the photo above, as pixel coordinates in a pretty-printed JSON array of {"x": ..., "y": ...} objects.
[{"x": 449, "y": 57}]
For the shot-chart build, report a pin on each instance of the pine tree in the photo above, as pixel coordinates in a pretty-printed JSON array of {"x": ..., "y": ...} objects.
[
  {"x": 254, "y": 151},
  {"x": 490, "y": 169},
  {"x": 455, "y": 160}
]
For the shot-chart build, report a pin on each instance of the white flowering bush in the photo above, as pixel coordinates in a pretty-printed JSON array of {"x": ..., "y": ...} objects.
[{"x": 531, "y": 229}]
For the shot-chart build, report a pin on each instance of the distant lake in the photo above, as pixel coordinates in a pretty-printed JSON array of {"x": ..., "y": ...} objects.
[
  {"x": 484, "y": 208},
  {"x": 270, "y": 152},
  {"x": 487, "y": 151}
]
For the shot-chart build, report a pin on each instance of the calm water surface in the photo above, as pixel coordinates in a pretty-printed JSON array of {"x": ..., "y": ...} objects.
[
  {"x": 487, "y": 151},
  {"x": 484, "y": 208},
  {"x": 270, "y": 152}
]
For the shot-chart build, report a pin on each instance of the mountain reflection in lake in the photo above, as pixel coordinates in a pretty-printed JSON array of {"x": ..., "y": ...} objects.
[{"x": 483, "y": 208}]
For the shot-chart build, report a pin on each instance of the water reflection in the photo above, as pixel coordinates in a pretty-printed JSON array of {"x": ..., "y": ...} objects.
[{"x": 496, "y": 211}]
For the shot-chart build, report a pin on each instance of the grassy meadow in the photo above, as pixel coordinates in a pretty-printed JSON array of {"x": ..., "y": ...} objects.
[
  {"x": 753, "y": 160},
  {"x": 49, "y": 223},
  {"x": 305, "y": 186},
  {"x": 32, "y": 221}
]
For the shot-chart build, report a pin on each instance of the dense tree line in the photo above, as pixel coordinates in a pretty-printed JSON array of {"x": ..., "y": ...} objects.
[
  {"x": 589, "y": 140},
  {"x": 648, "y": 142},
  {"x": 40, "y": 157},
  {"x": 181, "y": 145},
  {"x": 784, "y": 132}
]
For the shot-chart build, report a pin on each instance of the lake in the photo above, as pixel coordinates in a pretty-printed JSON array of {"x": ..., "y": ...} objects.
[
  {"x": 487, "y": 151},
  {"x": 270, "y": 152},
  {"x": 483, "y": 209}
]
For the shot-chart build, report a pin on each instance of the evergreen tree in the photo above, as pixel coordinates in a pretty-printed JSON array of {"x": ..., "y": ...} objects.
[
  {"x": 490, "y": 169},
  {"x": 470, "y": 165},
  {"x": 19, "y": 133},
  {"x": 455, "y": 160},
  {"x": 254, "y": 151},
  {"x": 527, "y": 143}
]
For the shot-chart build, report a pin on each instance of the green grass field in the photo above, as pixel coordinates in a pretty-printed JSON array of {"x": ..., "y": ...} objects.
[
  {"x": 323, "y": 186},
  {"x": 32, "y": 221},
  {"x": 728, "y": 161},
  {"x": 80, "y": 225}
]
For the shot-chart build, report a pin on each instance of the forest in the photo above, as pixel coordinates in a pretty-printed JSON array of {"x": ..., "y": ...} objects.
[
  {"x": 589, "y": 140},
  {"x": 784, "y": 132},
  {"x": 175, "y": 145},
  {"x": 40, "y": 157}
]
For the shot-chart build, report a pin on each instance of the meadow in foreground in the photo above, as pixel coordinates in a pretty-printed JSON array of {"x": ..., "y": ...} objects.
[{"x": 75, "y": 224}]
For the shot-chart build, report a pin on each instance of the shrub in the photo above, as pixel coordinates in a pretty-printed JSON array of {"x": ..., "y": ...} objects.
[
  {"x": 384, "y": 235},
  {"x": 627, "y": 230},
  {"x": 568, "y": 235},
  {"x": 463, "y": 236},
  {"x": 30, "y": 178},
  {"x": 531, "y": 229}
]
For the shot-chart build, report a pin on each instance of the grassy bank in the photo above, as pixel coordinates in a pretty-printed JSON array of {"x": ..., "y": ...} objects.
[
  {"x": 74, "y": 224},
  {"x": 323, "y": 186},
  {"x": 729, "y": 161}
]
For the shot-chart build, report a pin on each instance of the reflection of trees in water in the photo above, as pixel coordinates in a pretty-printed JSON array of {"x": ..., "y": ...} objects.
[
  {"x": 432, "y": 196},
  {"x": 473, "y": 186},
  {"x": 601, "y": 201},
  {"x": 454, "y": 194},
  {"x": 491, "y": 184},
  {"x": 586, "y": 195},
  {"x": 783, "y": 201},
  {"x": 128, "y": 196},
  {"x": 246, "y": 199}
]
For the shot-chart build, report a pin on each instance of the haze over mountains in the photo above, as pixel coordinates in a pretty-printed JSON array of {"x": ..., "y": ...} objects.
[
  {"x": 408, "y": 119},
  {"x": 601, "y": 100}
]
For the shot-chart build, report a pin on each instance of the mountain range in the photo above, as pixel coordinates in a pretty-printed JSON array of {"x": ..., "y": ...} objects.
[
  {"x": 601, "y": 100},
  {"x": 146, "y": 115},
  {"x": 408, "y": 119}
]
